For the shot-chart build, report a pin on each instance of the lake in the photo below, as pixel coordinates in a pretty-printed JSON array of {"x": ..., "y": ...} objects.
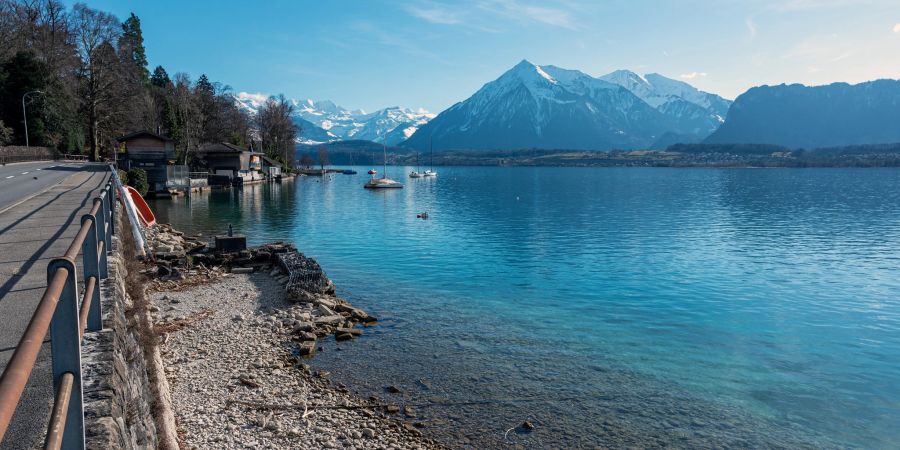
[{"x": 699, "y": 308}]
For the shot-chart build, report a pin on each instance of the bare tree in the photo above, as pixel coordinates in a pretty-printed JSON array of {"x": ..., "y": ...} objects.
[
  {"x": 306, "y": 160},
  {"x": 188, "y": 115},
  {"x": 277, "y": 129},
  {"x": 323, "y": 156},
  {"x": 95, "y": 35}
]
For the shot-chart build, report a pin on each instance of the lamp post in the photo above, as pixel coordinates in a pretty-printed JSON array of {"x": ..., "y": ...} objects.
[{"x": 25, "y": 116}]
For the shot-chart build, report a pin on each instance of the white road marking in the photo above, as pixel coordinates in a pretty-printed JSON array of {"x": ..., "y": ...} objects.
[
  {"x": 24, "y": 173},
  {"x": 10, "y": 177},
  {"x": 40, "y": 169}
]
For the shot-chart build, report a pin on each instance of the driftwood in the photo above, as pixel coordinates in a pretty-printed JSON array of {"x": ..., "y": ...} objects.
[{"x": 248, "y": 382}]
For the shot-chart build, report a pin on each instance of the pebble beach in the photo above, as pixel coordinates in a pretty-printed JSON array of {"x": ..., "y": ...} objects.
[{"x": 238, "y": 381}]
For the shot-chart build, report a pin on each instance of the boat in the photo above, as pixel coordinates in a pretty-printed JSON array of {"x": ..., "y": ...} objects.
[
  {"x": 373, "y": 171},
  {"x": 385, "y": 182},
  {"x": 145, "y": 215},
  {"x": 430, "y": 172},
  {"x": 416, "y": 173},
  {"x": 382, "y": 183}
]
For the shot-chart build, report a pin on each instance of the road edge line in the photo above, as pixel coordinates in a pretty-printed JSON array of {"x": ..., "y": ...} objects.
[{"x": 4, "y": 210}]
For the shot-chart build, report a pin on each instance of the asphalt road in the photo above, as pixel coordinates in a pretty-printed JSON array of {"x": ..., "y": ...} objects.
[
  {"x": 20, "y": 180},
  {"x": 32, "y": 232}
]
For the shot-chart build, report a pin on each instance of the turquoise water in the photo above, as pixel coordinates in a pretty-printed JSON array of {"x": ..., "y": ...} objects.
[{"x": 693, "y": 308}]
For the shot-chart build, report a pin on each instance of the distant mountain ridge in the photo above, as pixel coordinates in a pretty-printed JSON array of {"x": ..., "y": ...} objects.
[
  {"x": 798, "y": 116},
  {"x": 532, "y": 106},
  {"x": 324, "y": 121}
]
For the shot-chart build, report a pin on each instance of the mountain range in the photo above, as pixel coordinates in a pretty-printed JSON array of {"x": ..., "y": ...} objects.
[
  {"x": 549, "y": 107},
  {"x": 532, "y": 106},
  {"x": 798, "y": 116},
  {"x": 324, "y": 121}
]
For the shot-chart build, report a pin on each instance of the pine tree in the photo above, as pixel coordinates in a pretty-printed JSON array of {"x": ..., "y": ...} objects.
[
  {"x": 160, "y": 78},
  {"x": 21, "y": 74},
  {"x": 133, "y": 40},
  {"x": 204, "y": 87}
]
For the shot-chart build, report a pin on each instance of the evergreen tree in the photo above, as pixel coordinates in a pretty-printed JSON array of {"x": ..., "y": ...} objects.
[
  {"x": 204, "y": 87},
  {"x": 24, "y": 73},
  {"x": 160, "y": 78},
  {"x": 132, "y": 42},
  {"x": 169, "y": 121}
]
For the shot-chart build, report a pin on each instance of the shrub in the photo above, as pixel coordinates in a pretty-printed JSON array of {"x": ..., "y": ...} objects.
[
  {"x": 123, "y": 176},
  {"x": 137, "y": 178}
]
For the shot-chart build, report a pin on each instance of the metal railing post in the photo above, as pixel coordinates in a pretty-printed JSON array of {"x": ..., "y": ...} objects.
[
  {"x": 100, "y": 229},
  {"x": 111, "y": 198},
  {"x": 92, "y": 268},
  {"x": 65, "y": 343}
]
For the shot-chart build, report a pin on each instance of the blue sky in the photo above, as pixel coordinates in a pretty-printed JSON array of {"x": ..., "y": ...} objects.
[{"x": 429, "y": 53}]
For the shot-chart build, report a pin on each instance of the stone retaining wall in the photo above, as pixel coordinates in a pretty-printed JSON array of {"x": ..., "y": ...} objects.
[{"x": 118, "y": 401}]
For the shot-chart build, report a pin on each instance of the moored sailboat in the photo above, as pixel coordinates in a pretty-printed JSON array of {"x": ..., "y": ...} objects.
[
  {"x": 416, "y": 173},
  {"x": 385, "y": 182},
  {"x": 430, "y": 172}
]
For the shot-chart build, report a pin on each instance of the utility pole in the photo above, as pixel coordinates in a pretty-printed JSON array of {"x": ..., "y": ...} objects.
[{"x": 25, "y": 116}]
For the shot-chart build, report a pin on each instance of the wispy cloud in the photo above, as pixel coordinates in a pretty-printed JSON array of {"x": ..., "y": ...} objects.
[
  {"x": 692, "y": 75},
  {"x": 897, "y": 28},
  {"x": 807, "y": 5},
  {"x": 751, "y": 27},
  {"x": 396, "y": 40},
  {"x": 484, "y": 14},
  {"x": 821, "y": 50},
  {"x": 435, "y": 13}
]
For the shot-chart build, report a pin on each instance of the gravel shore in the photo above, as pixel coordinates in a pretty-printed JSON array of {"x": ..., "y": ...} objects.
[{"x": 236, "y": 381}]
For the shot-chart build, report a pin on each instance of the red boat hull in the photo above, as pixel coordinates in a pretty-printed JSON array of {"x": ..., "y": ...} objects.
[{"x": 144, "y": 213}]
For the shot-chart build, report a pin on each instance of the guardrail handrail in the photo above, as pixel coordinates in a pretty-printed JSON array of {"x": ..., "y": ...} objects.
[{"x": 66, "y": 313}]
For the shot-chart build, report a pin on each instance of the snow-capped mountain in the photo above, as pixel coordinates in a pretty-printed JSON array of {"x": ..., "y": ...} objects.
[
  {"x": 533, "y": 106},
  {"x": 698, "y": 113},
  {"x": 324, "y": 121}
]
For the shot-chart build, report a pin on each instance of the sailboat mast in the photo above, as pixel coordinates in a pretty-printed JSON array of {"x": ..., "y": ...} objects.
[
  {"x": 430, "y": 154},
  {"x": 384, "y": 149}
]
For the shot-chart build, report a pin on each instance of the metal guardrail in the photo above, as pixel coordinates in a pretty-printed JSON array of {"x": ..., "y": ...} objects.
[{"x": 65, "y": 311}]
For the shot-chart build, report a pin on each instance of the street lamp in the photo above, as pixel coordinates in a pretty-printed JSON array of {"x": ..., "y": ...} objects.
[{"x": 24, "y": 116}]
